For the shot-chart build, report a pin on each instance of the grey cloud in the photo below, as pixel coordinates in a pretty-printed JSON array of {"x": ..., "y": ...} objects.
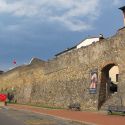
[{"x": 69, "y": 11}]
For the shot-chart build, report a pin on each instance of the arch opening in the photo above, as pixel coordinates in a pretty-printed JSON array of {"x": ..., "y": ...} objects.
[{"x": 109, "y": 82}]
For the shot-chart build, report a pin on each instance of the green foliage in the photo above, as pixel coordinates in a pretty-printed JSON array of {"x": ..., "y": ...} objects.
[
  {"x": 40, "y": 105},
  {"x": 116, "y": 113},
  {"x": 4, "y": 91},
  {"x": 45, "y": 106},
  {"x": 48, "y": 107}
]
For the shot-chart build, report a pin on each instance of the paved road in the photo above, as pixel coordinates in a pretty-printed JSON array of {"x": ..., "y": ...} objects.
[
  {"x": 15, "y": 117},
  {"x": 6, "y": 119}
]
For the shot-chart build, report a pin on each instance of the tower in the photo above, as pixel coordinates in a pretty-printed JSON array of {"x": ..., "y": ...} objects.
[{"x": 123, "y": 10}]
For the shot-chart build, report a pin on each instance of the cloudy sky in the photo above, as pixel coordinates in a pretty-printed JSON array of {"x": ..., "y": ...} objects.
[{"x": 42, "y": 28}]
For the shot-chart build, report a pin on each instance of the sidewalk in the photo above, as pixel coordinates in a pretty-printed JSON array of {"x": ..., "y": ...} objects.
[{"x": 94, "y": 118}]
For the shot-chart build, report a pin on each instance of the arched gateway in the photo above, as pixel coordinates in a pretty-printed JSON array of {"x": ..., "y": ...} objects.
[{"x": 108, "y": 82}]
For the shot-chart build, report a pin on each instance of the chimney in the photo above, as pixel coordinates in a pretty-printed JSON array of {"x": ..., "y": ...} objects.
[
  {"x": 101, "y": 36},
  {"x": 123, "y": 10}
]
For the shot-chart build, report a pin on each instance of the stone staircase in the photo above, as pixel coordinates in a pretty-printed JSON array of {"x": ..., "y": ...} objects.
[{"x": 113, "y": 100}]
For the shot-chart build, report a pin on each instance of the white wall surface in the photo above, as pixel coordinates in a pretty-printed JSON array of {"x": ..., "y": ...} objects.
[{"x": 87, "y": 42}]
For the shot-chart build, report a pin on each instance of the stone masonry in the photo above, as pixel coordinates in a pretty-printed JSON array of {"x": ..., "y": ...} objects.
[{"x": 66, "y": 78}]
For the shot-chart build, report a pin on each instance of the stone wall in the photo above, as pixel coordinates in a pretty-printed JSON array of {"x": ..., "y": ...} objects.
[{"x": 66, "y": 79}]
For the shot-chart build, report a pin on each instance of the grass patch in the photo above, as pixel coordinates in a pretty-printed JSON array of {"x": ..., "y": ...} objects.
[
  {"x": 117, "y": 113},
  {"x": 45, "y": 106},
  {"x": 38, "y": 105}
]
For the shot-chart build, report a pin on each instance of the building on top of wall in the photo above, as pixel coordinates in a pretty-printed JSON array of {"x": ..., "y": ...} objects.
[
  {"x": 1, "y": 72},
  {"x": 89, "y": 41},
  {"x": 123, "y": 10},
  {"x": 83, "y": 43}
]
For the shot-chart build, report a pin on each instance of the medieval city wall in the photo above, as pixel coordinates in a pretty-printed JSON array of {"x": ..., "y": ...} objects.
[{"x": 66, "y": 78}]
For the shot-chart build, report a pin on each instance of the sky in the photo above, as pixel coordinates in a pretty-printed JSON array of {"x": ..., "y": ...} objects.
[{"x": 42, "y": 28}]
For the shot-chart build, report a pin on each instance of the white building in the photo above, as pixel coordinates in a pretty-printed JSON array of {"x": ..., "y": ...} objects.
[
  {"x": 83, "y": 43},
  {"x": 87, "y": 42}
]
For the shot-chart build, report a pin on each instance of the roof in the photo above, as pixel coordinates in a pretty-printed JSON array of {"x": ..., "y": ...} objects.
[
  {"x": 68, "y": 49},
  {"x": 121, "y": 28},
  {"x": 36, "y": 60},
  {"x": 1, "y": 72},
  {"x": 86, "y": 39},
  {"x": 122, "y": 8}
]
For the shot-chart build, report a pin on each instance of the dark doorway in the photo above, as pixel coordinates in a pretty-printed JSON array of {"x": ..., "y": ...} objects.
[{"x": 108, "y": 85}]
